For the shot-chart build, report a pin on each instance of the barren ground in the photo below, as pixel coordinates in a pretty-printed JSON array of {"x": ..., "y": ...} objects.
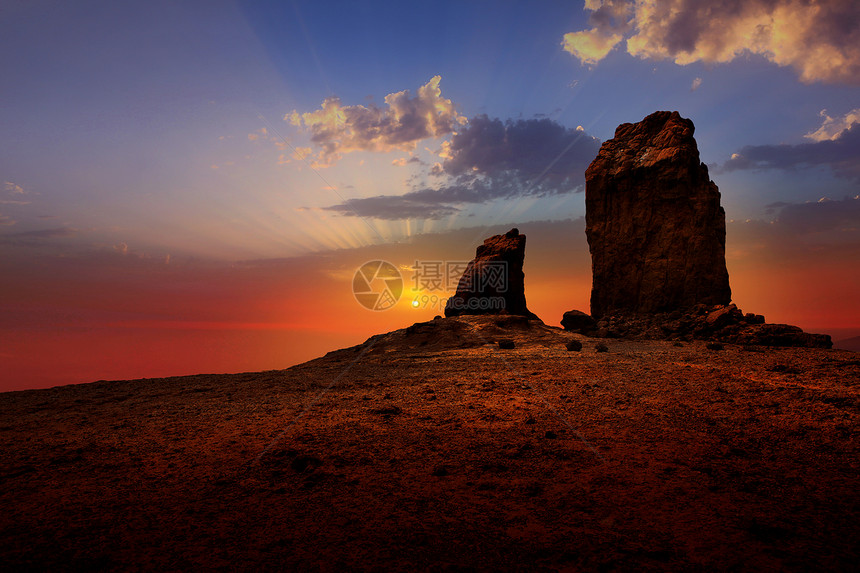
[{"x": 434, "y": 449}]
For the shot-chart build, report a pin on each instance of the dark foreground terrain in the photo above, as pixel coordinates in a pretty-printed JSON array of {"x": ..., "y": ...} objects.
[{"x": 431, "y": 448}]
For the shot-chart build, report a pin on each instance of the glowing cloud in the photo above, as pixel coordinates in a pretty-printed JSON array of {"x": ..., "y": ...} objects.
[
  {"x": 14, "y": 188},
  {"x": 836, "y": 145},
  {"x": 338, "y": 129},
  {"x": 590, "y": 46},
  {"x": 831, "y": 129},
  {"x": 821, "y": 40}
]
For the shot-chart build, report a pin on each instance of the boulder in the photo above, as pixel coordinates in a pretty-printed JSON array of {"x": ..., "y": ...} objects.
[
  {"x": 720, "y": 323},
  {"x": 655, "y": 227},
  {"x": 494, "y": 282},
  {"x": 723, "y": 316},
  {"x": 578, "y": 321}
]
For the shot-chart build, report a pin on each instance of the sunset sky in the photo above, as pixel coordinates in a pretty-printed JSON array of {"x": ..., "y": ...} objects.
[{"x": 189, "y": 187}]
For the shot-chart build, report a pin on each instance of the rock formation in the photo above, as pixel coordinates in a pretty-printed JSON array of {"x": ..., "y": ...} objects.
[
  {"x": 721, "y": 323},
  {"x": 654, "y": 224},
  {"x": 493, "y": 283},
  {"x": 657, "y": 236}
]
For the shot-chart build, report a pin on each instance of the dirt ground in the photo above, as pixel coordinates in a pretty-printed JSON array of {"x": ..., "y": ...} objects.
[{"x": 431, "y": 448}]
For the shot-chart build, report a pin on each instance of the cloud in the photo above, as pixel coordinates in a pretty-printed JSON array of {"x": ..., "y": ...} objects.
[
  {"x": 489, "y": 160},
  {"x": 831, "y": 129},
  {"x": 338, "y": 129},
  {"x": 610, "y": 20},
  {"x": 590, "y": 46},
  {"x": 6, "y": 221},
  {"x": 404, "y": 161},
  {"x": 824, "y": 216},
  {"x": 394, "y": 207},
  {"x": 697, "y": 83},
  {"x": 16, "y": 192},
  {"x": 13, "y": 188},
  {"x": 31, "y": 238},
  {"x": 541, "y": 153},
  {"x": 820, "y": 40},
  {"x": 841, "y": 154}
]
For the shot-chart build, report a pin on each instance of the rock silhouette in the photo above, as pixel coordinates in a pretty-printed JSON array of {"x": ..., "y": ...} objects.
[
  {"x": 655, "y": 227},
  {"x": 718, "y": 323},
  {"x": 493, "y": 283},
  {"x": 578, "y": 321},
  {"x": 657, "y": 236}
]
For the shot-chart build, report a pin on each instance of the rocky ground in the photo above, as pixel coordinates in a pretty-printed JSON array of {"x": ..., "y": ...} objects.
[{"x": 433, "y": 448}]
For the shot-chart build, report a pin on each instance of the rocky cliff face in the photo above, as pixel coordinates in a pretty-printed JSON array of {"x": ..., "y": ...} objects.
[
  {"x": 654, "y": 224},
  {"x": 493, "y": 283},
  {"x": 657, "y": 236}
]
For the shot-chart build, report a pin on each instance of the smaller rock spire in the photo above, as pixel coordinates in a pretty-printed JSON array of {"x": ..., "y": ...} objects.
[{"x": 493, "y": 282}]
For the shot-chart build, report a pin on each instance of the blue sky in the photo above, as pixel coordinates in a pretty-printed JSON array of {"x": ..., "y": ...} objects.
[{"x": 114, "y": 113}]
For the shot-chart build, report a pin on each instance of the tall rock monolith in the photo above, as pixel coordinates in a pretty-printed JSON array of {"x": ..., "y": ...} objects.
[{"x": 655, "y": 227}]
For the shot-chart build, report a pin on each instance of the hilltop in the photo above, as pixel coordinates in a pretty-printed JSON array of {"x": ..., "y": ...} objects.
[{"x": 433, "y": 448}]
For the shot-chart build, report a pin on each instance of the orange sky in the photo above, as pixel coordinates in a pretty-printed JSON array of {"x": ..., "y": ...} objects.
[{"x": 114, "y": 316}]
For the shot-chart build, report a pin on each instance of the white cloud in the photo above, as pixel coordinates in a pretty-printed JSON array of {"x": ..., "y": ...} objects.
[
  {"x": 831, "y": 128},
  {"x": 13, "y": 188},
  {"x": 338, "y": 129},
  {"x": 590, "y": 46},
  {"x": 821, "y": 40}
]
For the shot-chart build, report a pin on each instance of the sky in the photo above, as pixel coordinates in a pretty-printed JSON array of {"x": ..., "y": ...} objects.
[{"x": 190, "y": 187}]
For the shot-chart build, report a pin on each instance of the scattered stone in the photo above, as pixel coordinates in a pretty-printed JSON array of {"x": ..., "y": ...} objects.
[
  {"x": 601, "y": 347},
  {"x": 574, "y": 345},
  {"x": 785, "y": 369},
  {"x": 722, "y": 317},
  {"x": 714, "y": 346},
  {"x": 440, "y": 470},
  {"x": 493, "y": 283},
  {"x": 723, "y": 323},
  {"x": 388, "y": 410},
  {"x": 305, "y": 463},
  {"x": 654, "y": 223},
  {"x": 506, "y": 344},
  {"x": 578, "y": 321}
]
